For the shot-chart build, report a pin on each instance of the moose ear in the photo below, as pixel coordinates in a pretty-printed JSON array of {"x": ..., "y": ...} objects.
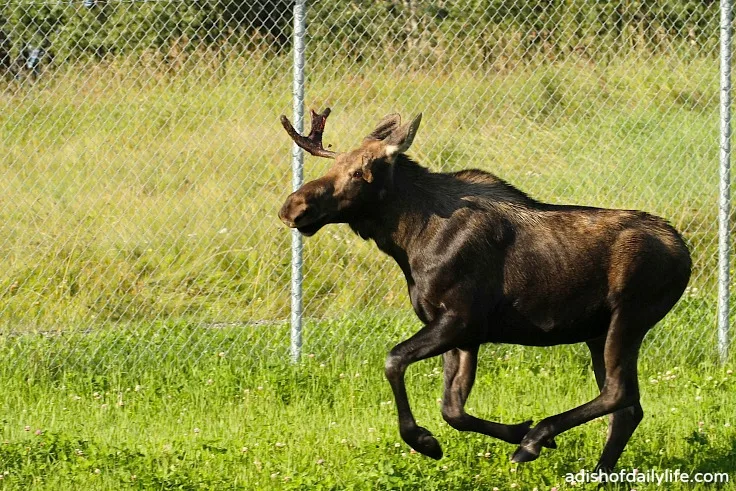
[
  {"x": 384, "y": 129},
  {"x": 401, "y": 138}
]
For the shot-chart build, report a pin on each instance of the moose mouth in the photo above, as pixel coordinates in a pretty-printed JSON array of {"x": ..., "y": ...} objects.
[{"x": 312, "y": 228}]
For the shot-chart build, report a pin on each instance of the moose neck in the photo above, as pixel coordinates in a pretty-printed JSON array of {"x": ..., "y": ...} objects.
[{"x": 404, "y": 212}]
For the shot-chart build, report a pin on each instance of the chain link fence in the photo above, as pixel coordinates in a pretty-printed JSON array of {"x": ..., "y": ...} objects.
[{"x": 144, "y": 162}]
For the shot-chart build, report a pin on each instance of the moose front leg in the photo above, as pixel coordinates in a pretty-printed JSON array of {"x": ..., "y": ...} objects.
[
  {"x": 437, "y": 337},
  {"x": 460, "y": 368}
]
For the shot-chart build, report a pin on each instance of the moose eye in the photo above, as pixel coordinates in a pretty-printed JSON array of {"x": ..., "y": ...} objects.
[{"x": 358, "y": 174}]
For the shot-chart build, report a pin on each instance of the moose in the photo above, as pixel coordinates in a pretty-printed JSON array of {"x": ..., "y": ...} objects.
[{"x": 486, "y": 263}]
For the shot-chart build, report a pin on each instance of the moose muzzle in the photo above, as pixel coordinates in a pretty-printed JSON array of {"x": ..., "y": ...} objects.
[{"x": 296, "y": 211}]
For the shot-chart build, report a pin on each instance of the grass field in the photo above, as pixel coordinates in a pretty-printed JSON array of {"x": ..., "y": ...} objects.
[
  {"x": 145, "y": 275},
  {"x": 228, "y": 420},
  {"x": 131, "y": 194}
]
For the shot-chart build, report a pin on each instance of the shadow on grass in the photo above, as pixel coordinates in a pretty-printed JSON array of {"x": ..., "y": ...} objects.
[{"x": 704, "y": 458}]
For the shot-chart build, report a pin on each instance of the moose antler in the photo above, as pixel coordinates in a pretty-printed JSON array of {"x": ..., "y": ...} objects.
[{"x": 313, "y": 142}]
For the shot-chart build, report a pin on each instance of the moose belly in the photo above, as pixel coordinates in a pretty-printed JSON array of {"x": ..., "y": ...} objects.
[{"x": 513, "y": 326}]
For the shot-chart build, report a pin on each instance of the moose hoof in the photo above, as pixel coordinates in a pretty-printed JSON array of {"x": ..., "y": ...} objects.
[
  {"x": 423, "y": 442},
  {"x": 522, "y": 429},
  {"x": 603, "y": 468},
  {"x": 519, "y": 431},
  {"x": 523, "y": 454}
]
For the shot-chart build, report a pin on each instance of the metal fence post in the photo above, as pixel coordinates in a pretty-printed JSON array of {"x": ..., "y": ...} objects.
[
  {"x": 724, "y": 204},
  {"x": 297, "y": 178}
]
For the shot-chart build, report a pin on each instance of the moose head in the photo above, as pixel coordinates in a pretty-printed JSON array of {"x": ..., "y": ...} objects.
[{"x": 357, "y": 178}]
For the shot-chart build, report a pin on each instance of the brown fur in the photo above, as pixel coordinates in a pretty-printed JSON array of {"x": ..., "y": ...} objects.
[{"x": 484, "y": 262}]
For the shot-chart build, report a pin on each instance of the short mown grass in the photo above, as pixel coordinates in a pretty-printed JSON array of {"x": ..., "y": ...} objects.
[{"x": 192, "y": 409}]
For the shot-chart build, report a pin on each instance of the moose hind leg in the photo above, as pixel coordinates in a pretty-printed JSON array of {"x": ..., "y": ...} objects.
[
  {"x": 459, "y": 369},
  {"x": 620, "y": 387},
  {"x": 621, "y": 424}
]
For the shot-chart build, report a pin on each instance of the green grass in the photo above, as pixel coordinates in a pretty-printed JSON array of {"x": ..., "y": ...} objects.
[
  {"x": 140, "y": 241},
  {"x": 219, "y": 418},
  {"x": 132, "y": 194}
]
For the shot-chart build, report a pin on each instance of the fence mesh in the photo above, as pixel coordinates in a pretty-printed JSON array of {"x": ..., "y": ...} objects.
[{"x": 144, "y": 162}]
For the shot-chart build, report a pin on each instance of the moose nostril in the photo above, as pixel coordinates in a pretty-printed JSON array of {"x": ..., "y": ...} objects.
[
  {"x": 303, "y": 214},
  {"x": 297, "y": 212}
]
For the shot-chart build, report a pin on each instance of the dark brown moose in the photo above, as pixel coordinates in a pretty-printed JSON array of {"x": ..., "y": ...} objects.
[{"x": 485, "y": 263}]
